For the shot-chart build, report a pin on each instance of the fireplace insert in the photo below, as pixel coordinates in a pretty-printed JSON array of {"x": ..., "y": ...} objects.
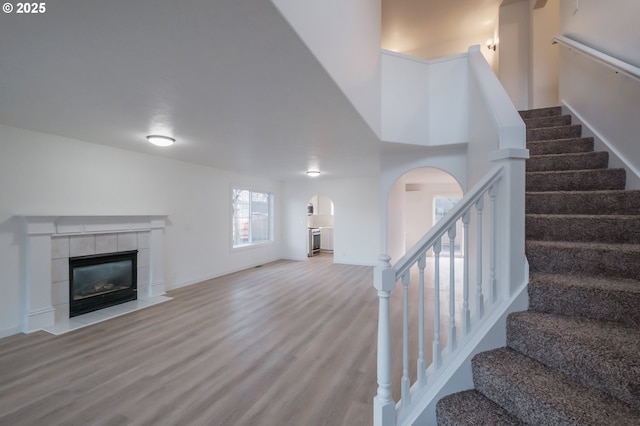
[{"x": 102, "y": 280}]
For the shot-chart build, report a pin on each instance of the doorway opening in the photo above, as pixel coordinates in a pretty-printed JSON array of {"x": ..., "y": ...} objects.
[
  {"x": 320, "y": 214},
  {"x": 418, "y": 199}
]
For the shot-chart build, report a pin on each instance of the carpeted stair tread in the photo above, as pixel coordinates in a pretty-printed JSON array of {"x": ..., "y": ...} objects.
[
  {"x": 624, "y": 229},
  {"x": 601, "y": 298},
  {"x": 576, "y": 180},
  {"x": 599, "y": 354},
  {"x": 561, "y": 146},
  {"x": 540, "y": 396},
  {"x": 572, "y": 161},
  {"x": 583, "y": 202},
  {"x": 556, "y": 132},
  {"x": 471, "y": 408},
  {"x": 540, "y": 112},
  {"x": 580, "y": 258},
  {"x": 551, "y": 121}
]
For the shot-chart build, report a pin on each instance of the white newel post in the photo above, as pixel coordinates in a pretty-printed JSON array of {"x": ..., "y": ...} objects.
[
  {"x": 510, "y": 209},
  {"x": 384, "y": 411}
]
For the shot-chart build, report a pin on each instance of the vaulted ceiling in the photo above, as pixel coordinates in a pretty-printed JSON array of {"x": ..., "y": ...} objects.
[{"x": 229, "y": 79}]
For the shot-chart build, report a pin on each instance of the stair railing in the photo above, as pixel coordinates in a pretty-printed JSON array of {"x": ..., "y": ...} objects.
[
  {"x": 616, "y": 64},
  {"x": 473, "y": 204},
  {"x": 493, "y": 264}
]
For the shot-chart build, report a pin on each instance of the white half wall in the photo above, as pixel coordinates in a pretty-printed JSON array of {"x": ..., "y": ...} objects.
[
  {"x": 345, "y": 38},
  {"x": 424, "y": 102},
  {"x": 355, "y": 221},
  {"x": 47, "y": 175}
]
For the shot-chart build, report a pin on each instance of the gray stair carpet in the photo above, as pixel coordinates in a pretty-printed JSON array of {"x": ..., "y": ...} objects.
[{"x": 573, "y": 358}]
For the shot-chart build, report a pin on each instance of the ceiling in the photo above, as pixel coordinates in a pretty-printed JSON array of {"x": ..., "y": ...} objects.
[{"x": 229, "y": 79}]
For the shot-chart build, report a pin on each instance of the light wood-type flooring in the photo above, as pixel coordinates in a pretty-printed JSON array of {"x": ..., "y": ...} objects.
[{"x": 288, "y": 343}]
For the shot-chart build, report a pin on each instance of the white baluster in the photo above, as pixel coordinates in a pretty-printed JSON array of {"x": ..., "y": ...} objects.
[
  {"x": 479, "y": 295},
  {"x": 384, "y": 410},
  {"x": 466, "y": 313},
  {"x": 421, "y": 367},
  {"x": 452, "y": 289},
  {"x": 437, "y": 357},
  {"x": 493, "y": 289},
  {"x": 405, "y": 383}
]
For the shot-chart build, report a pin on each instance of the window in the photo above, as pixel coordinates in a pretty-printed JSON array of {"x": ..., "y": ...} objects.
[{"x": 252, "y": 213}]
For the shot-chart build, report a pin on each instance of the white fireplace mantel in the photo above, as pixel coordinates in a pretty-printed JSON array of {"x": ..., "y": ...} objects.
[{"x": 39, "y": 312}]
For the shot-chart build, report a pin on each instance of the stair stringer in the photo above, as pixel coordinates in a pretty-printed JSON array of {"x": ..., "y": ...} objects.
[{"x": 457, "y": 376}]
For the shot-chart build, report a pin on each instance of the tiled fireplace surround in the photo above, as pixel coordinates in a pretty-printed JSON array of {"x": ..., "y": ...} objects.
[{"x": 51, "y": 240}]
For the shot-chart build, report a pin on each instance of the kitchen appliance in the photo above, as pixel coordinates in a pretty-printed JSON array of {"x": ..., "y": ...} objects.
[{"x": 314, "y": 242}]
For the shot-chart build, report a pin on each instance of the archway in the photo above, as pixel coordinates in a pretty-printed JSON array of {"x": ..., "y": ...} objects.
[{"x": 417, "y": 200}]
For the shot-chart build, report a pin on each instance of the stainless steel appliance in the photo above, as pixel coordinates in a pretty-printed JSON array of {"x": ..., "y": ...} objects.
[{"x": 314, "y": 242}]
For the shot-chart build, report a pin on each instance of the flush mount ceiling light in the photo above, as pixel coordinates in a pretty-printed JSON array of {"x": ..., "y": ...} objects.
[
  {"x": 313, "y": 173},
  {"x": 160, "y": 140}
]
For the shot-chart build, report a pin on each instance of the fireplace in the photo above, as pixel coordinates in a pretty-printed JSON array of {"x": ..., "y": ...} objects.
[{"x": 102, "y": 280}]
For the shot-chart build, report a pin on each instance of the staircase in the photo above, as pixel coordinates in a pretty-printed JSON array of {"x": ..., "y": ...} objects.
[{"x": 574, "y": 357}]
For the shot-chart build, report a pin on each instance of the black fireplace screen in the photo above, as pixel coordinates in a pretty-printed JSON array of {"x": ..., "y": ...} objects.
[{"x": 103, "y": 280}]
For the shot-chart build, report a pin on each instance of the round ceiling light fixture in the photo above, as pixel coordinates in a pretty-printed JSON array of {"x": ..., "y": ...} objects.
[
  {"x": 160, "y": 140},
  {"x": 313, "y": 173}
]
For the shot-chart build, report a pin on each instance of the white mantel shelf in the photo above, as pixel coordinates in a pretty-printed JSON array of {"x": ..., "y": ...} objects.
[{"x": 39, "y": 312}]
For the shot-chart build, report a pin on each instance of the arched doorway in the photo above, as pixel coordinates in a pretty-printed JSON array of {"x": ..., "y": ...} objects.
[
  {"x": 418, "y": 199},
  {"x": 320, "y": 215}
]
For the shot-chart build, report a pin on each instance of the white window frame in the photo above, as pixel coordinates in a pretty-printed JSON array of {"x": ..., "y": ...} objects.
[{"x": 239, "y": 245}]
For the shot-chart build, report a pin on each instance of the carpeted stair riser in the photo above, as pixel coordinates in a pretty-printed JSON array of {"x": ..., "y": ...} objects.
[
  {"x": 560, "y": 146},
  {"x": 553, "y": 121},
  {"x": 540, "y": 396},
  {"x": 583, "y": 202},
  {"x": 573, "y": 161},
  {"x": 471, "y": 408},
  {"x": 540, "y": 112},
  {"x": 598, "y": 354},
  {"x": 558, "y": 132},
  {"x": 603, "y": 299},
  {"x": 613, "y": 260},
  {"x": 586, "y": 228},
  {"x": 576, "y": 180}
]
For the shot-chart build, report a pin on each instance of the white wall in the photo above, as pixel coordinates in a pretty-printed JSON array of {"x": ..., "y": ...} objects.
[
  {"x": 48, "y": 175},
  {"x": 356, "y": 220},
  {"x": 345, "y": 37},
  {"x": 513, "y": 52},
  {"x": 543, "y": 74},
  {"x": 424, "y": 102},
  {"x": 610, "y": 26},
  {"x": 606, "y": 102},
  {"x": 528, "y": 61},
  {"x": 396, "y": 231}
]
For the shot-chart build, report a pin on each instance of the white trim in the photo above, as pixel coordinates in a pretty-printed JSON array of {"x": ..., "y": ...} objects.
[{"x": 424, "y": 61}]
